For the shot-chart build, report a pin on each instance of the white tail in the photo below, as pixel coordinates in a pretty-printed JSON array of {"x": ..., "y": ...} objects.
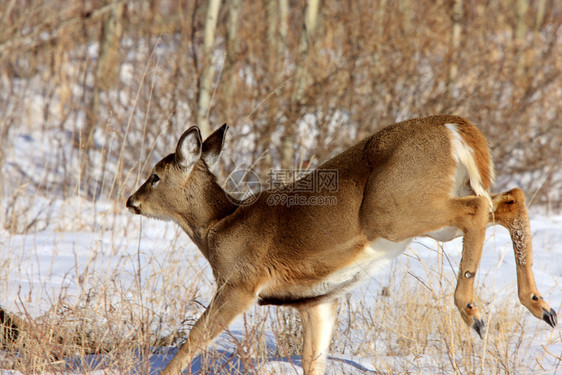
[{"x": 422, "y": 177}]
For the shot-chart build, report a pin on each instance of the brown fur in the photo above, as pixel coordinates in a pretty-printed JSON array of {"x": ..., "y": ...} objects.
[{"x": 393, "y": 186}]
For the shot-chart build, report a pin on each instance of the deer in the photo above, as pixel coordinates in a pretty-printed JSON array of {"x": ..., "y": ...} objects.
[{"x": 426, "y": 176}]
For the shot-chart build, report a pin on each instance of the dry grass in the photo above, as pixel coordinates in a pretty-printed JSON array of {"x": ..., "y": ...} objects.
[
  {"x": 120, "y": 301},
  {"x": 411, "y": 328}
]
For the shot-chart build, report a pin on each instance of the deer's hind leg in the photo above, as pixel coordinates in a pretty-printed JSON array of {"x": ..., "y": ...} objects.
[
  {"x": 471, "y": 216},
  {"x": 509, "y": 211},
  {"x": 318, "y": 322}
]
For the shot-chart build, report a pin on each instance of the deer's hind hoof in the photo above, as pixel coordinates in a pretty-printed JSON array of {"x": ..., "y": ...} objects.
[{"x": 550, "y": 317}]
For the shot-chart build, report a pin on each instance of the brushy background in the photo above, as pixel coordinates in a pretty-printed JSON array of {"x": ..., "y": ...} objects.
[
  {"x": 92, "y": 93},
  {"x": 109, "y": 83}
]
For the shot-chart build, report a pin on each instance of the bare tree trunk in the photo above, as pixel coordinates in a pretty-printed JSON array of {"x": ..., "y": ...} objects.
[
  {"x": 277, "y": 26},
  {"x": 272, "y": 27},
  {"x": 106, "y": 75},
  {"x": 277, "y": 20},
  {"x": 307, "y": 35},
  {"x": 309, "y": 28},
  {"x": 406, "y": 10},
  {"x": 521, "y": 31},
  {"x": 283, "y": 23},
  {"x": 541, "y": 10},
  {"x": 107, "y": 67},
  {"x": 208, "y": 71},
  {"x": 539, "y": 19},
  {"x": 273, "y": 56},
  {"x": 7, "y": 11},
  {"x": 454, "y": 44},
  {"x": 380, "y": 18},
  {"x": 232, "y": 48}
]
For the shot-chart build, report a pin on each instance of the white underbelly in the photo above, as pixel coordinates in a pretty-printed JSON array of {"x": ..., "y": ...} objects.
[
  {"x": 445, "y": 234},
  {"x": 372, "y": 259}
]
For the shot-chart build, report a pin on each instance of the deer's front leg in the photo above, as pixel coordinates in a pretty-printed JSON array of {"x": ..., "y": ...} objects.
[
  {"x": 510, "y": 211},
  {"x": 228, "y": 302},
  {"x": 472, "y": 217}
]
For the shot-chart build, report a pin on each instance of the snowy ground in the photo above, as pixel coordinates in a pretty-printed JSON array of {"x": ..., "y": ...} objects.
[{"x": 71, "y": 255}]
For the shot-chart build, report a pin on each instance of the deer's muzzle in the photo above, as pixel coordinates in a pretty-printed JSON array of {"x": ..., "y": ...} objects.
[{"x": 133, "y": 205}]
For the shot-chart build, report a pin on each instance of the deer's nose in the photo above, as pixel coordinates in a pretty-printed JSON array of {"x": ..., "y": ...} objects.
[
  {"x": 130, "y": 202},
  {"x": 132, "y": 205}
]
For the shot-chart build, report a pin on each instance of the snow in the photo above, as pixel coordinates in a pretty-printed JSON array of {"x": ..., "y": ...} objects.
[{"x": 64, "y": 259}]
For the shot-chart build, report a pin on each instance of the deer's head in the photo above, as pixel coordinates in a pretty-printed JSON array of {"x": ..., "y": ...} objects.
[{"x": 179, "y": 183}]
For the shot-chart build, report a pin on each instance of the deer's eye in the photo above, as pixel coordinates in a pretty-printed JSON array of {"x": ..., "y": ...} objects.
[{"x": 154, "y": 179}]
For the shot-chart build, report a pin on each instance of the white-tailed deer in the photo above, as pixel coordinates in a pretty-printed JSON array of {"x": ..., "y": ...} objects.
[{"x": 422, "y": 177}]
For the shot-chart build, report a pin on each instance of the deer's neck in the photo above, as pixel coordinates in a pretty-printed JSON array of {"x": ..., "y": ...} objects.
[{"x": 207, "y": 204}]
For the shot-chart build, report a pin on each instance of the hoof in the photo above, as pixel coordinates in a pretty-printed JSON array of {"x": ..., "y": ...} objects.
[
  {"x": 480, "y": 327},
  {"x": 550, "y": 317}
]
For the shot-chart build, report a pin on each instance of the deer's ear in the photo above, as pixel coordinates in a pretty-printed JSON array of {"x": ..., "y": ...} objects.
[
  {"x": 213, "y": 145},
  {"x": 188, "y": 149}
]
